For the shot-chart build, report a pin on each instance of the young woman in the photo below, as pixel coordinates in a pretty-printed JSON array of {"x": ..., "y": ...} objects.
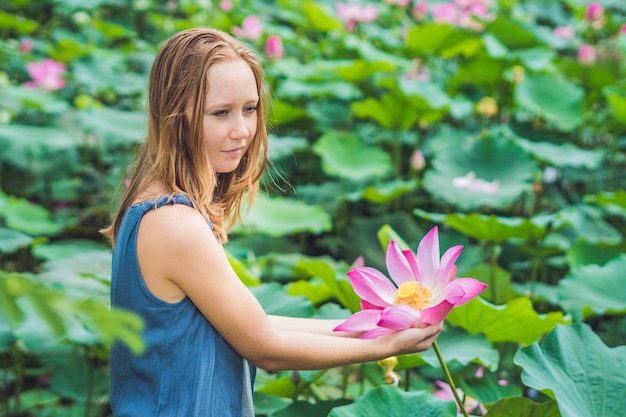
[{"x": 203, "y": 157}]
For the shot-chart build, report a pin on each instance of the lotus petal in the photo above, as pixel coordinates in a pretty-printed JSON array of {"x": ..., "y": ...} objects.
[
  {"x": 428, "y": 258},
  {"x": 371, "y": 285},
  {"x": 398, "y": 266},
  {"x": 359, "y": 322},
  {"x": 436, "y": 314},
  {"x": 398, "y": 317}
]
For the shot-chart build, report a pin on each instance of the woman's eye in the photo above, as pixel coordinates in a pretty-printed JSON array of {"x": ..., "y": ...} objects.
[
  {"x": 220, "y": 113},
  {"x": 251, "y": 109}
]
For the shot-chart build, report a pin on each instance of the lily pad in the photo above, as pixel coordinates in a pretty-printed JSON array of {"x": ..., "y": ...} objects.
[
  {"x": 587, "y": 378},
  {"x": 12, "y": 240},
  {"x": 346, "y": 156},
  {"x": 491, "y": 228},
  {"x": 553, "y": 98},
  {"x": 476, "y": 173},
  {"x": 275, "y": 300},
  {"x": 405, "y": 404},
  {"x": 524, "y": 407},
  {"x": 515, "y": 321},
  {"x": 114, "y": 127},
  {"x": 589, "y": 290},
  {"x": 278, "y": 217},
  {"x": 563, "y": 155}
]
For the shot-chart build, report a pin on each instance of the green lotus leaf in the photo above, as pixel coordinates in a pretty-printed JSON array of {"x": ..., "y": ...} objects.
[
  {"x": 613, "y": 202},
  {"x": 335, "y": 279},
  {"x": 275, "y": 300},
  {"x": 536, "y": 59},
  {"x": 564, "y": 155},
  {"x": 589, "y": 290},
  {"x": 500, "y": 289},
  {"x": 553, "y": 98},
  {"x": 491, "y": 228},
  {"x": 457, "y": 345},
  {"x": 24, "y": 216},
  {"x": 278, "y": 217},
  {"x": 524, "y": 407},
  {"x": 385, "y": 192},
  {"x": 587, "y": 378},
  {"x": 308, "y": 409},
  {"x": 47, "y": 152},
  {"x": 583, "y": 253},
  {"x": 371, "y": 53},
  {"x": 616, "y": 100},
  {"x": 65, "y": 248},
  {"x": 12, "y": 240},
  {"x": 97, "y": 78},
  {"x": 405, "y": 404},
  {"x": 432, "y": 93},
  {"x": 320, "y": 17},
  {"x": 361, "y": 69},
  {"x": 391, "y": 111},
  {"x": 114, "y": 127},
  {"x": 486, "y": 172},
  {"x": 585, "y": 222},
  {"x": 487, "y": 390},
  {"x": 431, "y": 38},
  {"x": 346, "y": 156},
  {"x": 515, "y": 321},
  {"x": 296, "y": 89},
  {"x": 512, "y": 34}
]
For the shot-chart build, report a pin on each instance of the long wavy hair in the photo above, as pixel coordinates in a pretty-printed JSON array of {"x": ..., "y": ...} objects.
[{"x": 174, "y": 153}]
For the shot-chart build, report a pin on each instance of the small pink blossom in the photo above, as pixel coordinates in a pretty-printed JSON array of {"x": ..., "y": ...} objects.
[
  {"x": 251, "y": 28},
  {"x": 470, "y": 404},
  {"x": 26, "y": 46},
  {"x": 587, "y": 55},
  {"x": 351, "y": 14},
  {"x": 226, "y": 5},
  {"x": 420, "y": 11},
  {"x": 274, "y": 48},
  {"x": 594, "y": 15},
  {"x": 418, "y": 162},
  {"x": 564, "y": 32},
  {"x": 477, "y": 185},
  {"x": 445, "y": 13},
  {"x": 622, "y": 29},
  {"x": 127, "y": 182},
  {"x": 46, "y": 75}
]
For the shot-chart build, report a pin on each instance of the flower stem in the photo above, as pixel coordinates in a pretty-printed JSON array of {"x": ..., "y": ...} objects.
[{"x": 449, "y": 378}]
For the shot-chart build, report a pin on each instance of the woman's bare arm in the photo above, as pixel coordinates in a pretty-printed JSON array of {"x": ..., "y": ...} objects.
[{"x": 180, "y": 256}]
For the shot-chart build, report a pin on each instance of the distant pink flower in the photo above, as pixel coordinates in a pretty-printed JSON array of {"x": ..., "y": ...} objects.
[
  {"x": 564, "y": 32},
  {"x": 477, "y": 185},
  {"x": 127, "y": 182},
  {"x": 226, "y": 5},
  {"x": 274, "y": 48},
  {"x": 251, "y": 28},
  {"x": 401, "y": 3},
  {"x": 445, "y": 13},
  {"x": 46, "y": 75},
  {"x": 470, "y": 404},
  {"x": 420, "y": 11},
  {"x": 587, "y": 55},
  {"x": 594, "y": 15},
  {"x": 358, "y": 263},
  {"x": 418, "y": 162},
  {"x": 351, "y": 14},
  {"x": 26, "y": 46},
  {"x": 422, "y": 289},
  {"x": 622, "y": 29}
]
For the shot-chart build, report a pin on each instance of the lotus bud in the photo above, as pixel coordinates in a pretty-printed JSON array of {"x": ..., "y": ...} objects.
[
  {"x": 587, "y": 55},
  {"x": 420, "y": 11},
  {"x": 487, "y": 106},
  {"x": 594, "y": 15},
  {"x": 274, "y": 48},
  {"x": 518, "y": 74},
  {"x": 226, "y": 5},
  {"x": 417, "y": 161},
  {"x": 388, "y": 364}
]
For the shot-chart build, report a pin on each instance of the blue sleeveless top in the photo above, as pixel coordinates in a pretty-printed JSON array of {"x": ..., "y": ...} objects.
[{"x": 187, "y": 369}]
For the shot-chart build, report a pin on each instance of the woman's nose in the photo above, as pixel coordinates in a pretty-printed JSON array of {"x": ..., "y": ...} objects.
[{"x": 239, "y": 128}]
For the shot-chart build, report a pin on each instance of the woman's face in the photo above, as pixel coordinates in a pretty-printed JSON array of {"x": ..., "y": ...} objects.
[{"x": 230, "y": 114}]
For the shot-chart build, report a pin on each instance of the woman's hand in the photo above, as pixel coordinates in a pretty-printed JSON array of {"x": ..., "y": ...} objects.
[{"x": 415, "y": 339}]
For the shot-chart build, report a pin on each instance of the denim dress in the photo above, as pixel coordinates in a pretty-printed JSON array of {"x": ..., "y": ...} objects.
[{"x": 187, "y": 369}]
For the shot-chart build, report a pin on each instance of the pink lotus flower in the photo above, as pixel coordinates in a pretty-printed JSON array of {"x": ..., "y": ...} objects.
[
  {"x": 587, "y": 55},
  {"x": 476, "y": 185},
  {"x": 423, "y": 289},
  {"x": 251, "y": 28},
  {"x": 470, "y": 404},
  {"x": 420, "y": 10},
  {"x": 226, "y": 5},
  {"x": 46, "y": 75},
  {"x": 594, "y": 15},
  {"x": 351, "y": 14},
  {"x": 564, "y": 32},
  {"x": 274, "y": 48},
  {"x": 26, "y": 46}
]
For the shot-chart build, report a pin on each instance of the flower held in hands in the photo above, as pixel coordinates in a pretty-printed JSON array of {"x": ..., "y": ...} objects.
[{"x": 423, "y": 289}]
